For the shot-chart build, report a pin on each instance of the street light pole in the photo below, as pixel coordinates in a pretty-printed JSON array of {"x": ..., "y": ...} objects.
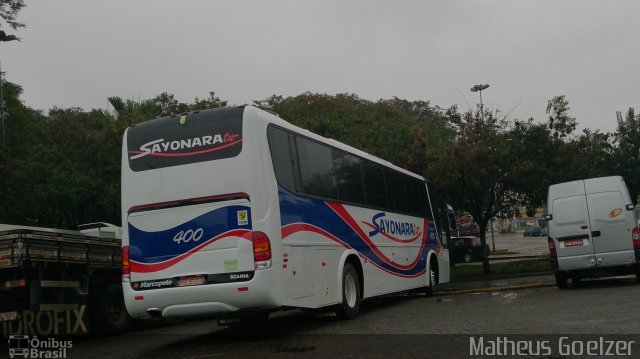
[
  {"x": 479, "y": 88},
  {"x": 4, "y": 37}
]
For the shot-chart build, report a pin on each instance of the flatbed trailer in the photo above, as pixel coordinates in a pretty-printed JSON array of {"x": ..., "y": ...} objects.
[{"x": 59, "y": 282}]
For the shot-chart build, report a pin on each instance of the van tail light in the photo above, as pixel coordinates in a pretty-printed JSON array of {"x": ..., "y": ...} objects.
[
  {"x": 261, "y": 250},
  {"x": 552, "y": 247},
  {"x": 126, "y": 270},
  {"x": 636, "y": 237}
]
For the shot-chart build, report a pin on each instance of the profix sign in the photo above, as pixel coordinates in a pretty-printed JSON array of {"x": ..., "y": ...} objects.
[
  {"x": 183, "y": 139},
  {"x": 47, "y": 322}
]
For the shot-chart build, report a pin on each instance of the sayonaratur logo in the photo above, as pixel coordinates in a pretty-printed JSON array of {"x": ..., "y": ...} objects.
[
  {"x": 186, "y": 147},
  {"x": 395, "y": 230}
]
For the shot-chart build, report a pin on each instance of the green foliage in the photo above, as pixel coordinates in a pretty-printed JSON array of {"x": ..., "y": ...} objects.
[
  {"x": 9, "y": 10},
  {"x": 400, "y": 131},
  {"x": 627, "y": 154},
  {"x": 560, "y": 122},
  {"x": 475, "y": 170}
]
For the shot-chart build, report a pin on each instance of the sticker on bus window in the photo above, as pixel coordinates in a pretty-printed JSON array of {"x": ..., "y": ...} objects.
[{"x": 243, "y": 218}]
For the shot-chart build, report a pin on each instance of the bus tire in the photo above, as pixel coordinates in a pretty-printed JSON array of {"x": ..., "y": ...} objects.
[
  {"x": 351, "y": 296},
  {"x": 432, "y": 272},
  {"x": 108, "y": 313}
]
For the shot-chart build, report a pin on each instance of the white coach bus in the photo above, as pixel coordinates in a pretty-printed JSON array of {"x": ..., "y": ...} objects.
[{"x": 234, "y": 210}]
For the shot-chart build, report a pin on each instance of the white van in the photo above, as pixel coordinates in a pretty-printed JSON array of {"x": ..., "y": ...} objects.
[{"x": 593, "y": 231}]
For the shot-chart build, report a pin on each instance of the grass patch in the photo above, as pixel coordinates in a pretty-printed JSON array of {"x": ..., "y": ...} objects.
[{"x": 515, "y": 267}]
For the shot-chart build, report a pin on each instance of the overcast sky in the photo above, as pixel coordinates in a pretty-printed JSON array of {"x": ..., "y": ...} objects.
[{"x": 77, "y": 53}]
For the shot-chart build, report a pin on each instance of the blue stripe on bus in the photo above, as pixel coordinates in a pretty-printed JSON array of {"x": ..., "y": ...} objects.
[{"x": 159, "y": 246}]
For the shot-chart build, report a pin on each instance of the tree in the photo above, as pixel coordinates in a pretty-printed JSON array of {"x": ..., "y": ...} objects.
[
  {"x": 9, "y": 10},
  {"x": 627, "y": 152},
  {"x": 560, "y": 122},
  {"x": 476, "y": 168}
]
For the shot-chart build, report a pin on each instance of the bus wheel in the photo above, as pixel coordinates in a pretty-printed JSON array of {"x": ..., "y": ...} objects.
[
  {"x": 561, "y": 280},
  {"x": 109, "y": 314},
  {"x": 433, "y": 281},
  {"x": 351, "y": 296}
]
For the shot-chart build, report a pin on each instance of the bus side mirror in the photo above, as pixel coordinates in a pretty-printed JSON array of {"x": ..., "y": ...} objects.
[
  {"x": 548, "y": 217},
  {"x": 452, "y": 222},
  {"x": 630, "y": 207}
]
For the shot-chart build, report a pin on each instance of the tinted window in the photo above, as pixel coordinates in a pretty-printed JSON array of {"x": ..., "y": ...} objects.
[
  {"x": 395, "y": 190},
  {"x": 374, "y": 184},
  {"x": 413, "y": 195},
  {"x": 316, "y": 169},
  {"x": 348, "y": 177},
  {"x": 171, "y": 141},
  {"x": 281, "y": 157}
]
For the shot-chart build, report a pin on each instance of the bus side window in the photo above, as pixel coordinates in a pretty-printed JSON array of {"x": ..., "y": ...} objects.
[
  {"x": 316, "y": 169},
  {"x": 348, "y": 177},
  {"x": 374, "y": 186},
  {"x": 281, "y": 157}
]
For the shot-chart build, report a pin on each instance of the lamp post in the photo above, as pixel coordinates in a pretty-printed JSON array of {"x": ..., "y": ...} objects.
[
  {"x": 479, "y": 88},
  {"x": 3, "y": 38}
]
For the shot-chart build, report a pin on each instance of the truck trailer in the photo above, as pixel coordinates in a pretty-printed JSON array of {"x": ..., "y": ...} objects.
[{"x": 61, "y": 282}]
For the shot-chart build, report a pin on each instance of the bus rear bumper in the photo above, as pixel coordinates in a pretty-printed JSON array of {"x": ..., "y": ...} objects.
[{"x": 212, "y": 299}]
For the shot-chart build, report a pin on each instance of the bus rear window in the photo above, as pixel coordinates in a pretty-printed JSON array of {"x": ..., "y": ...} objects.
[{"x": 182, "y": 139}]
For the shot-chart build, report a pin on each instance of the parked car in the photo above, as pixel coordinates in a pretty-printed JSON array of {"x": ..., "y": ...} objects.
[
  {"x": 466, "y": 249},
  {"x": 468, "y": 229},
  {"x": 535, "y": 232}
]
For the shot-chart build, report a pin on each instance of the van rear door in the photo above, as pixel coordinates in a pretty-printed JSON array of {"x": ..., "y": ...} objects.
[
  {"x": 611, "y": 234},
  {"x": 570, "y": 228},
  {"x": 196, "y": 244}
]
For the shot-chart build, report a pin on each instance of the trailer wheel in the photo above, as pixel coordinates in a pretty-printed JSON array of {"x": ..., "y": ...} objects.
[
  {"x": 561, "y": 280},
  {"x": 108, "y": 314},
  {"x": 351, "y": 297}
]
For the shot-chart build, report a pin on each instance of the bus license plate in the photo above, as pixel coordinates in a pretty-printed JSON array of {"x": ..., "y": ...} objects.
[
  {"x": 573, "y": 243},
  {"x": 189, "y": 281}
]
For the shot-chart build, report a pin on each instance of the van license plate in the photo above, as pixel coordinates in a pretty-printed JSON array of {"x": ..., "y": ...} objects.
[
  {"x": 190, "y": 281},
  {"x": 573, "y": 243}
]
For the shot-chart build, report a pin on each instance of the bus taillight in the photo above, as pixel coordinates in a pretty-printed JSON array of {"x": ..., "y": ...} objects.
[
  {"x": 261, "y": 250},
  {"x": 636, "y": 237},
  {"x": 126, "y": 271}
]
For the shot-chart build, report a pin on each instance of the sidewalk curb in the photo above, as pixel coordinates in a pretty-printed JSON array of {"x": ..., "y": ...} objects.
[
  {"x": 496, "y": 289},
  {"x": 501, "y": 276}
]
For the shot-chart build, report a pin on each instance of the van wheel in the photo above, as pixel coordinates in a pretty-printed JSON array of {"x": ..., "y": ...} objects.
[
  {"x": 108, "y": 313},
  {"x": 351, "y": 297},
  {"x": 561, "y": 280},
  {"x": 468, "y": 258},
  {"x": 638, "y": 278}
]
